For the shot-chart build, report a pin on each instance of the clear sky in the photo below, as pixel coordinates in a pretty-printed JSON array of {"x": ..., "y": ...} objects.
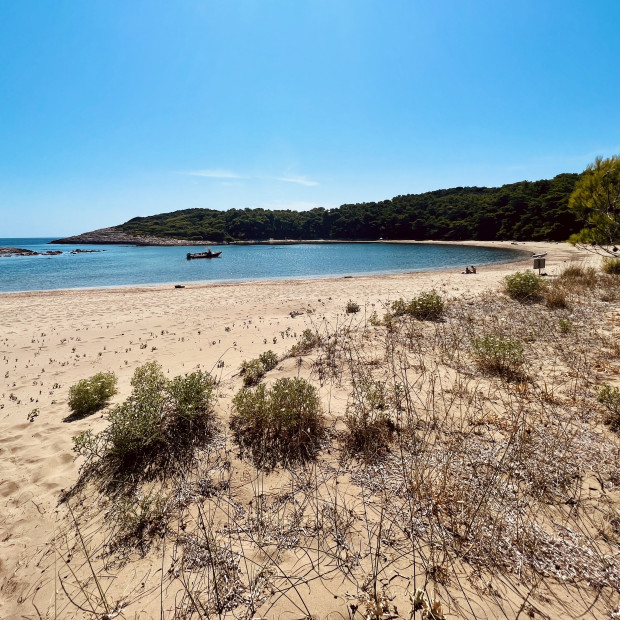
[{"x": 112, "y": 109}]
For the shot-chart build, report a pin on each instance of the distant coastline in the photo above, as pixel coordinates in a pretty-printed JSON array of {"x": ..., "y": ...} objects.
[{"x": 115, "y": 236}]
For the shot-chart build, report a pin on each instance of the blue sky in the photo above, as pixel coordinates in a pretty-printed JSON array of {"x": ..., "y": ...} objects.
[{"x": 109, "y": 110}]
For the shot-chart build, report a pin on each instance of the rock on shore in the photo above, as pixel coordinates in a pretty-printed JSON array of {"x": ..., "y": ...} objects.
[
  {"x": 114, "y": 235},
  {"x": 24, "y": 252}
]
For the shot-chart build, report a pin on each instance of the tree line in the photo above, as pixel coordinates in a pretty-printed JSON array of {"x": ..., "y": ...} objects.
[{"x": 522, "y": 211}]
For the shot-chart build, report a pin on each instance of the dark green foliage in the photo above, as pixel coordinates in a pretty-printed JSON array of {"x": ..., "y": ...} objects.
[
  {"x": 159, "y": 420},
  {"x": 278, "y": 426},
  {"x": 352, "y": 307},
  {"x": 499, "y": 355},
  {"x": 526, "y": 210},
  {"x": 595, "y": 201},
  {"x": 524, "y": 286},
  {"x": 90, "y": 395}
]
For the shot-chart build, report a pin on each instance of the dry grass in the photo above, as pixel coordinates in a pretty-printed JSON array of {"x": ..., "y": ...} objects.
[{"x": 441, "y": 489}]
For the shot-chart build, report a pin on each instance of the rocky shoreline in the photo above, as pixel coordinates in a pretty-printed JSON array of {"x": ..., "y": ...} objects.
[
  {"x": 7, "y": 252},
  {"x": 115, "y": 236}
]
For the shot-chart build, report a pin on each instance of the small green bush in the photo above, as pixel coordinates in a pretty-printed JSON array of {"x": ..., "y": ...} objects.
[
  {"x": 306, "y": 343},
  {"x": 524, "y": 286},
  {"x": 90, "y": 395},
  {"x": 370, "y": 426},
  {"x": 400, "y": 307},
  {"x": 374, "y": 319},
  {"x": 609, "y": 397},
  {"x": 428, "y": 306},
  {"x": 611, "y": 266},
  {"x": 498, "y": 355},
  {"x": 282, "y": 425},
  {"x": 268, "y": 359},
  {"x": 352, "y": 307},
  {"x": 565, "y": 326},
  {"x": 253, "y": 371}
]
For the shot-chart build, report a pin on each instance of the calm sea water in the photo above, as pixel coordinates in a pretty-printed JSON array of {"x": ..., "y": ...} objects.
[{"x": 122, "y": 265}]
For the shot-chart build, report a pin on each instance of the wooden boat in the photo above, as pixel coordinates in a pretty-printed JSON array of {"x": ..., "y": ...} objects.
[{"x": 207, "y": 254}]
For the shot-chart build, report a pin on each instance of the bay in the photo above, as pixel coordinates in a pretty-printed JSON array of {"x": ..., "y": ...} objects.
[{"x": 123, "y": 265}]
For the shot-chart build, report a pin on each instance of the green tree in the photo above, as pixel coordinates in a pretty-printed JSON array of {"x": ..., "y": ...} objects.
[{"x": 596, "y": 201}]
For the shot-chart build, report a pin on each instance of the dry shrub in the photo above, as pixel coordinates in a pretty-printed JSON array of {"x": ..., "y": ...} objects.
[
  {"x": 282, "y": 425},
  {"x": 578, "y": 279},
  {"x": 555, "y": 296},
  {"x": 352, "y": 307}
]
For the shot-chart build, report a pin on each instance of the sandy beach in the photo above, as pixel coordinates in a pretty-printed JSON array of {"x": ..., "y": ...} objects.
[{"x": 51, "y": 340}]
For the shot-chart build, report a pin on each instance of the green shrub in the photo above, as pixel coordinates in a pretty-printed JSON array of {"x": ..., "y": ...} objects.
[
  {"x": 524, "y": 286},
  {"x": 609, "y": 397},
  {"x": 253, "y": 371},
  {"x": 400, "y": 307},
  {"x": 306, "y": 343},
  {"x": 370, "y": 427},
  {"x": 427, "y": 306},
  {"x": 498, "y": 355},
  {"x": 90, "y": 395},
  {"x": 269, "y": 360},
  {"x": 352, "y": 307},
  {"x": 374, "y": 319},
  {"x": 282, "y": 425},
  {"x": 565, "y": 326},
  {"x": 160, "y": 419},
  {"x": 611, "y": 266}
]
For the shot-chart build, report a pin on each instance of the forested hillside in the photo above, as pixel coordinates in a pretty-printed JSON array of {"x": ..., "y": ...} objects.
[{"x": 526, "y": 210}]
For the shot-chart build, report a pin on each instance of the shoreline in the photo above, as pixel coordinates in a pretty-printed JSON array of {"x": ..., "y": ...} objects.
[{"x": 194, "y": 284}]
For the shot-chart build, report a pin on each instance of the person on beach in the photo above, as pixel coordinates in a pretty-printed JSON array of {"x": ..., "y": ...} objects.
[
  {"x": 466, "y": 270},
  {"x": 473, "y": 269}
]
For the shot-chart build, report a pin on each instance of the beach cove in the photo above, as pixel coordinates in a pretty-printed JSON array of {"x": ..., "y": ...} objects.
[{"x": 52, "y": 339}]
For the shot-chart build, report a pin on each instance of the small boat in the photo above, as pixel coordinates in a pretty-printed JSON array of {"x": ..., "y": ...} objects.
[
  {"x": 539, "y": 255},
  {"x": 207, "y": 254}
]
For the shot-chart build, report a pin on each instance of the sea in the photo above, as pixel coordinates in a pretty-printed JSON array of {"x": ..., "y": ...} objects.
[{"x": 125, "y": 265}]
